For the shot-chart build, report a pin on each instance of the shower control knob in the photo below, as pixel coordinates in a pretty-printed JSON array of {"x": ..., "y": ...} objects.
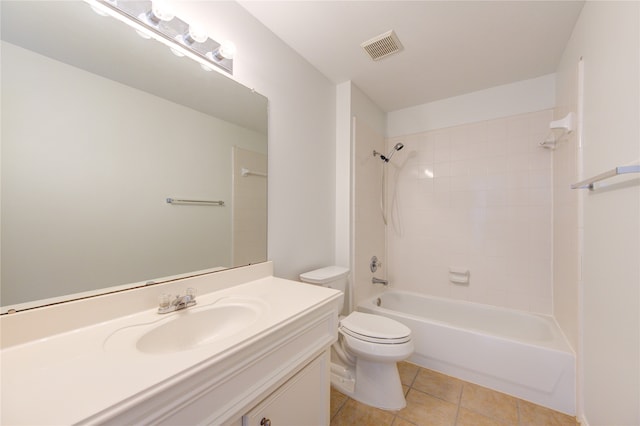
[{"x": 375, "y": 263}]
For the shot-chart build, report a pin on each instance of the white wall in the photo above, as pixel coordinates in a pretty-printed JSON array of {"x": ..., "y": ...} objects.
[
  {"x": 343, "y": 174},
  {"x": 75, "y": 186},
  {"x": 366, "y": 110},
  {"x": 249, "y": 194},
  {"x": 360, "y": 232},
  {"x": 607, "y": 37},
  {"x": 567, "y": 220},
  {"x": 520, "y": 97},
  {"x": 302, "y": 163},
  {"x": 367, "y": 226}
]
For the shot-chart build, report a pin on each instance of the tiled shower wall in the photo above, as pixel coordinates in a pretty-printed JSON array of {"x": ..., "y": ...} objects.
[{"x": 476, "y": 197}]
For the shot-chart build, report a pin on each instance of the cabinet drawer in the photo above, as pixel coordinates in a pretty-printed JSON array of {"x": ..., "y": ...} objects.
[{"x": 303, "y": 400}]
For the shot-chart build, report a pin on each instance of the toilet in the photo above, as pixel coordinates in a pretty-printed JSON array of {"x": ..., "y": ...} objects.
[{"x": 364, "y": 359}]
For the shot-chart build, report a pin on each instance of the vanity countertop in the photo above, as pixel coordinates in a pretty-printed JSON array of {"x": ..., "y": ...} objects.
[{"x": 69, "y": 377}]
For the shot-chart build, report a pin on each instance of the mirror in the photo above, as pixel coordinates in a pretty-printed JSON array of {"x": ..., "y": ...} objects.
[{"x": 99, "y": 128}]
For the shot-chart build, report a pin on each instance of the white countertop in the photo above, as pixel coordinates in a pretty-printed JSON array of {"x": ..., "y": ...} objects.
[{"x": 68, "y": 377}]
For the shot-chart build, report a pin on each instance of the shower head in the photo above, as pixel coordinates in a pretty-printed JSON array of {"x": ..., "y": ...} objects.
[{"x": 397, "y": 147}]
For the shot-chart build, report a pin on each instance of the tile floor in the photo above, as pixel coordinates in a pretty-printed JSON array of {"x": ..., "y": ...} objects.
[{"x": 436, "y": 399}]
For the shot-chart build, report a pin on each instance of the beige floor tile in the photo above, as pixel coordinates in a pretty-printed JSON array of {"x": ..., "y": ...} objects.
[
  {"x": 471, "y": 418},
  {"x": 534, "y": 415},
  {"x": 490, "y": 403},
  {"x": 355, "y": 413},
  {"x": 438, "y": 385},
  {"x": 437, "y": 399},
  {"x": 426, "y": 410},
  {"x": 401, "y": 422},
  {"x": 337, "y": 401},
  {"x": 407, "y": 372}
]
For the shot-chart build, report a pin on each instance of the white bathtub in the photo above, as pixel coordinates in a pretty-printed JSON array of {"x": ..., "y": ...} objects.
[{"x": 518, "y": 353}]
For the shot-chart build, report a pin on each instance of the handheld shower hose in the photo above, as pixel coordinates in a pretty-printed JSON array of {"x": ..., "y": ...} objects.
[{"x": 385, "y": 159}]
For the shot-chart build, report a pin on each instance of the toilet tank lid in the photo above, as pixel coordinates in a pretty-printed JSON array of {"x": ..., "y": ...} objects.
[{"x": 324, "y": 275}]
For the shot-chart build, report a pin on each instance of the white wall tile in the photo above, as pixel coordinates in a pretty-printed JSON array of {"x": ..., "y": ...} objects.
[{"x": 487, "y": 208}]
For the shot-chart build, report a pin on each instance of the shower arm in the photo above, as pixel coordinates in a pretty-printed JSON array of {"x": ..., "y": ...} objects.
[{"x": 396, "y": 147}]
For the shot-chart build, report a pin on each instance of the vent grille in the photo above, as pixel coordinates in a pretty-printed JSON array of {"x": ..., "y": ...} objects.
[{"x": 382, "y": 46}]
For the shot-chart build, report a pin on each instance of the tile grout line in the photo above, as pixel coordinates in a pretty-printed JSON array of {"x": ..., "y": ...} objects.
[
  {"x": 409, "y": 387},
  {"x": 415, "y": 376},
  {"x": 455, "y": 420},
  {"x": 339, "y": 409}
]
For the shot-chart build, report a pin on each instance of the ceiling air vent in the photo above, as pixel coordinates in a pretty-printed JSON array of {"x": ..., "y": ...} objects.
[{"x": 382, "y": 46}]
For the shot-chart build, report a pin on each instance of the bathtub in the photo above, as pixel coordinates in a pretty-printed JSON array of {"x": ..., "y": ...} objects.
[{"x": 518, "y": 353}]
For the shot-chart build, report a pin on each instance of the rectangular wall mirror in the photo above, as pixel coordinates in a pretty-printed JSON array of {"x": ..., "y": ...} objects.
[{"x": 99, "y": 128}]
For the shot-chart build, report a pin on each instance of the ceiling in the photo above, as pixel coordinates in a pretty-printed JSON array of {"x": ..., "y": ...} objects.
[{"x": 450, "y": 47}]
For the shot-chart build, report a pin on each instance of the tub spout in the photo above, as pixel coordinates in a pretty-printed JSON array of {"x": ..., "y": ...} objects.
[{"x": 375, "y": 280}]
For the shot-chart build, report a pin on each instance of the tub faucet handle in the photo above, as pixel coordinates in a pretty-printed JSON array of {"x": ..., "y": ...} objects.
[{"x": 375, "y": 264}]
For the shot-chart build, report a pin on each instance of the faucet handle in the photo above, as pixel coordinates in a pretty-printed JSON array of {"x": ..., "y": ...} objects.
[
  {"x": 164, "y": 301},
  {"x": 375, "y": 264},
  {"x": 169, "y": 303},
  {"x": 192, "y": 293}
]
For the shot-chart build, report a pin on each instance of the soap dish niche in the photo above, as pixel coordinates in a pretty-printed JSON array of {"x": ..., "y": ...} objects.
[
  {"x": 459, "y": 275},
  {"x": 559, "y": 129}
]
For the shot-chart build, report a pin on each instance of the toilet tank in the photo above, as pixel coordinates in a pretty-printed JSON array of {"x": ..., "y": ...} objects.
[{"x": 332, "y": 277}]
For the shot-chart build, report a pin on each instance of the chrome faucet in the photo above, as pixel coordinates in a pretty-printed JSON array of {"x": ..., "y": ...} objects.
[
  {"x": 375, "y": 280},
  {"x": 167, "y": 304}
]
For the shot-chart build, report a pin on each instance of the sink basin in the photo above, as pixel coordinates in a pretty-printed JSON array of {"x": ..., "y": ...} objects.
[{"x": 189, "y": 328}]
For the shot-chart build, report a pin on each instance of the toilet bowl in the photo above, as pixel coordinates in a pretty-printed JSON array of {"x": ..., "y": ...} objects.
[{"x": 364, "y": 359}]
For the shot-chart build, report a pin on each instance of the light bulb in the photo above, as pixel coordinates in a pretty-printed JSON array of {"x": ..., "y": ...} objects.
[
  {"x": 195, "y": 35},
  {"x": 227, "y": 50},
  {"x": 159, "y": 12}
]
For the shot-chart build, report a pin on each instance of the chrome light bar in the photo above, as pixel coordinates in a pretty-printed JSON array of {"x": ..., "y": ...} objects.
[{"x": 151, "y": 20}]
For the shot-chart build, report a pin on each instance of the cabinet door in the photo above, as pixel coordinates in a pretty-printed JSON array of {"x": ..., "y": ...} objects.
[{"x": 302, "y": 401}]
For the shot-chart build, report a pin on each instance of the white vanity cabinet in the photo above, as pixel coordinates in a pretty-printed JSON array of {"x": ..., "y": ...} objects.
[
  {"x": 302, "y": 400},
  {"x": 291, "y": 361},
  {"x": 277, "y": 368}
]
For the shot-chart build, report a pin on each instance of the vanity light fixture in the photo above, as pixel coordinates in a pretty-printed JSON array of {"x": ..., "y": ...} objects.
[{"x": 152, "y": 19}]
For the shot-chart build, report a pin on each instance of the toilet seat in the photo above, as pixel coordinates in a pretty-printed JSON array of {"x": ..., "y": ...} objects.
[{"x": 375, "y": 329}]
